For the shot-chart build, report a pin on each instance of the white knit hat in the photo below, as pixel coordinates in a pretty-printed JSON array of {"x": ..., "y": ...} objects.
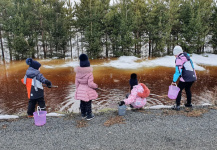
[{"x": 177, "y": 50}]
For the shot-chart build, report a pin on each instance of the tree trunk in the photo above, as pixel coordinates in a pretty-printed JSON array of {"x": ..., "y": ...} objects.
[
  {"x": 140, "y": 44},
  {"x": 42, "y": 36},
  {"x": 169, "y": 46},
  {"x": 51, "y": 50},
  {"x": 71, "y": 45},
  {"x": 82, "y": 49},
  {"x": 173, "y": 41},
  {"x": 137, "y": 44},
  {"x": 177, "y": 39},
  {"x": 64, "y": 53},
  {"x": 46, "y": 47},
  {"x": 77, "y": 46},
  {"x": 37, "y": 49},
  {"x": 33, "y": 55},
  {"x": 43, "y": 45},
  {"x": 106, "y": 37},
  {"x": 9, "y": 46},
  {"x": 33, "y": 49},
  {"x": 56, "y": 48},
  {"x": 3, "y": 56},
  {"x": 149, "y": 47},
  {"x": 82, "y": 42}
]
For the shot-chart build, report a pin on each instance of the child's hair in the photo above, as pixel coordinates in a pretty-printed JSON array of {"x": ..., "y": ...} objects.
[{"x": 133, "y": 80}]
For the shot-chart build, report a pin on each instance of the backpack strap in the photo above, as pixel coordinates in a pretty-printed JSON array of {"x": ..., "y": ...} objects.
[
  {"x": 35, "y": 85},
  {"x": 24, "y": 81}
]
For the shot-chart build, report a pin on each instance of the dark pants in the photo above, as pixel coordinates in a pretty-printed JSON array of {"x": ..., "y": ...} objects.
[
  {"x": 187, "y": 87},
  {"x": 32, "y": 103},
  {"x": 86, "y": 109}
]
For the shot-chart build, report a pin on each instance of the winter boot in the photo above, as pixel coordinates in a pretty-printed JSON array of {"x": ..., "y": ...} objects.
[
  {"x": 188, "y": 105},
  {"x": 175, "y": 107},
  {"x": 89, "y": 117},
  {"x": 83, "y": 116}
]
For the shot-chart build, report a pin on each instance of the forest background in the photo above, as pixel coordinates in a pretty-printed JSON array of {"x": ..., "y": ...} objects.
[{"x": 51, "y": 28}]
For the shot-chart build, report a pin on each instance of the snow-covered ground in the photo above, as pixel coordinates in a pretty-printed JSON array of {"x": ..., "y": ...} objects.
[
  {"x": 132, "y": 62},
  {"x": 8, "y": 116},
  {"x": 52, "y": 114},
  {"x": 129, "y": 62}
]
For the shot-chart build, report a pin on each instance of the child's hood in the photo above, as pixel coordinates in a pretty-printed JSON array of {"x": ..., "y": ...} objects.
[
  {"x": 31, "y": 72},
  {"x": 83, "y": 71},
  {"x": 143, "y": 93}
]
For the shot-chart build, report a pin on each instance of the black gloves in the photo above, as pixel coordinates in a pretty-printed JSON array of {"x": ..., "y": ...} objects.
[
  {"x": 48, "y": 83},
  {"x": 121, "y": 103}
]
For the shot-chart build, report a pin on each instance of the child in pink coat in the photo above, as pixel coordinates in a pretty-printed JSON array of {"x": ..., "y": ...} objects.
[
  {"x": 85, "y": 87},
  {"x": 139, "y": 92}
]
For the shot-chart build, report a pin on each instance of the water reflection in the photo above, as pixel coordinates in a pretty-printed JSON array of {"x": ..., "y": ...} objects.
[{"x": 115, "y": 82}]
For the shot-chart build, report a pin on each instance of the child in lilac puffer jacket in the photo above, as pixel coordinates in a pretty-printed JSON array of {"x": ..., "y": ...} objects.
[
  {"x": 85, "y": 87},
  {"x": 186, "y": 72}
]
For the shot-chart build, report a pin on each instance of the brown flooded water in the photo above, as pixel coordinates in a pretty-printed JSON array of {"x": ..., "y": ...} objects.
[{"x": 115, "y": 82}]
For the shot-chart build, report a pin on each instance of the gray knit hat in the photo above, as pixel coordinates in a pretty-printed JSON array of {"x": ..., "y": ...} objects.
[{"x": 177, "y": 50}]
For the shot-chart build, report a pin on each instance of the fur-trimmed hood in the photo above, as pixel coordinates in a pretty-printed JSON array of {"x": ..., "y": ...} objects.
[
  {"x": 83, "y": 70},
  {"x": 145, "y": 92}
]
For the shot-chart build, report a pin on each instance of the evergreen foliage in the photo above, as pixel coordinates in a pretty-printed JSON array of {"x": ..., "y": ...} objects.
[{"x": 123, "y": 28}]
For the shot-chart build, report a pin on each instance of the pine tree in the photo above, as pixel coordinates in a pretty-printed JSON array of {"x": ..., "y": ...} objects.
[
  {"x": 139, "y": 23},
  {"x": 89, "y": 15},
  {"x": 213, "y": 24}
]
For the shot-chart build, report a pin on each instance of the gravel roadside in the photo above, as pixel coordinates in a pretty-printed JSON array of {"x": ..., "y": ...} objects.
[{"x": 140, "y": 130}]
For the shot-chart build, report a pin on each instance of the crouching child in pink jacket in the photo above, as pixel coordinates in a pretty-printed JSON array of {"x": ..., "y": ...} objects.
[
  {"x": 85, "y": 87},
  {"x": 137, "y": 97}
]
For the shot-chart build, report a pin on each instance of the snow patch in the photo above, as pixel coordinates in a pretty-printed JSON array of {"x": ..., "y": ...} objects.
[
  {"x": 54, "y": 114},
  {"x": 129, "y": 62},
  {"x": 48, "y": 67},
  {"x": 45, "y": 60},
  {"x": 8, "y": 117},
  {"x": 124, "y": 62},
  {"x": 158, "y": 107},
  {"x": 70, "y": 64},
  {"x": 206, "y": 104},
  {"x": 205, "y": 59}
]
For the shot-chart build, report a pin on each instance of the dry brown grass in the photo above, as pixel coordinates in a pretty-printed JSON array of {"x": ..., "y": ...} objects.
[
  {"x": 143, "y": 111},
  {"x": 187, "y": 112},
  {"x": 114, "y": 120},
  {"x": 81, "y": 123},
  {"x": 9, "y": 120},
  {"x": 172, "y": 112},
  {"x": 215, "y": 96},
  {"x": 196, "y": 113},
  {"x": 4, "y": 126},
  {"x": 213, "y": 107}
]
